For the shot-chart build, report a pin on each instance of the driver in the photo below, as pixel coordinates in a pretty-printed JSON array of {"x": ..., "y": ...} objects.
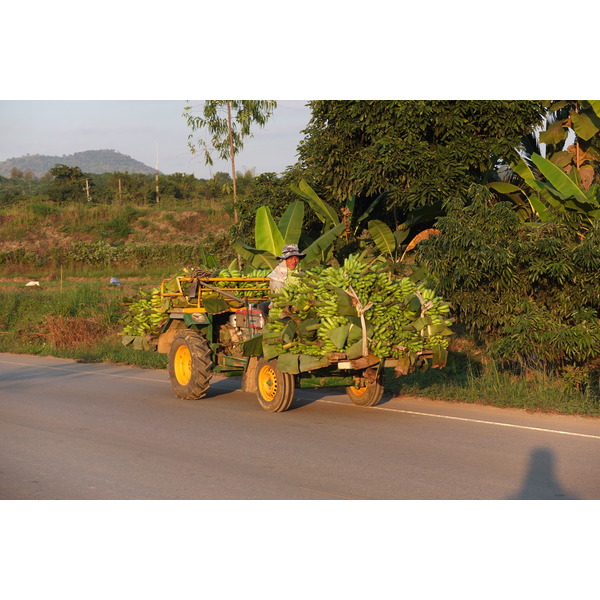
[{"x": 290, "y": 257}]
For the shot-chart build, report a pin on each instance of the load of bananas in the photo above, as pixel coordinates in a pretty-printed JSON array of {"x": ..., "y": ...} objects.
[
  {"x": 145, "y": 315},
  {"x": 244, "y": 288},
  {"x": 356, "y": 308}
]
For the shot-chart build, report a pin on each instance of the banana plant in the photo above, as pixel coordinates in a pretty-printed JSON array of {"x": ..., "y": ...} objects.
[
  {"x": 389, "y": 242},
  {"x": 327, "y": 214},
  {"x": 271, "y": 237},
  {"x": 560, "y": 191}
]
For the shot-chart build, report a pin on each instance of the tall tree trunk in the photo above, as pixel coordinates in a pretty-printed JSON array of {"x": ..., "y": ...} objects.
[{"x": 232, "y": 155}]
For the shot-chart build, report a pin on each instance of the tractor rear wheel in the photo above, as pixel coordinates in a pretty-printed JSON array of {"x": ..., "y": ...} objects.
[
  {"x": 368, "y": 395},
  {"x": 190, "y": 365},
  {"x": 274, "y": 389}
]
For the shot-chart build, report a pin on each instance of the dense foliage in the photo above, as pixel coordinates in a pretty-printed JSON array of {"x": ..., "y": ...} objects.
[
  {"x": 421, "y": 151},
  {"x": 530, "y": 292}
]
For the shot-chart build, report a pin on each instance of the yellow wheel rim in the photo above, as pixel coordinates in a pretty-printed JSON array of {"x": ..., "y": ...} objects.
[
  {"x": 359, "y": 391},
  {"x": 183, "y": 365},
  {"x": 267, "y": 383}
]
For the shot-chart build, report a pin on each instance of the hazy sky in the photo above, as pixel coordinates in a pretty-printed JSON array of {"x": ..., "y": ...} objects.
[{"x": 136, "y": 127}]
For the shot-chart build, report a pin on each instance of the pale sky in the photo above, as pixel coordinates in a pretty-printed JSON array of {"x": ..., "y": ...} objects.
[{"x": 138, "y": 128}]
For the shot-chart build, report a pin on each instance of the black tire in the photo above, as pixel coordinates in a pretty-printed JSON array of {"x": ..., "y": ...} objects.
[
  {"x": 369, "y": 395},
  {"x": 190, "y": 365},
  {"x": 274, "y": 389}
]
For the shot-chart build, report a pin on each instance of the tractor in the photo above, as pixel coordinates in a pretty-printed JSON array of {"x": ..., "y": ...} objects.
[{"x": 215, "y": 325}]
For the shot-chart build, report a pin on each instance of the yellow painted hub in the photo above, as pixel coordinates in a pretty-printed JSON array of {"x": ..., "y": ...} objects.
[
  {"x": 359, "y": 391},
  {"x": 183, "y": 365},
  {"x": 267, "y": 383}
]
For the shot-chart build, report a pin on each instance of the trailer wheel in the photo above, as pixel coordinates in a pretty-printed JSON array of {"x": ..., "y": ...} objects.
[
  {"x": 274, "y": 389},
  {"x": 190, "y": 365},
  {"x": 368, "y": 395}
]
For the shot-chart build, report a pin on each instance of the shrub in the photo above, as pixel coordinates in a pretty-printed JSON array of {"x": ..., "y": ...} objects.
[{"x": 528, "y": 291}]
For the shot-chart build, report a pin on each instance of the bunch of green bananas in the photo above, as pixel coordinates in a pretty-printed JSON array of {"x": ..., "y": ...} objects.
[
  {"x": 243, "y": 287},
  {"x": 144, "y": 315},
  {"x": 401, "y": 317}
]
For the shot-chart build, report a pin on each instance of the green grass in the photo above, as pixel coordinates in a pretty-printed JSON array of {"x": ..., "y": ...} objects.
[{"x": 464, "y": 380}]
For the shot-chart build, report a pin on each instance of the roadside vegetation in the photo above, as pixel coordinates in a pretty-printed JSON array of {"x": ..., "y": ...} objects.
[{"x": 511, "y": 239}]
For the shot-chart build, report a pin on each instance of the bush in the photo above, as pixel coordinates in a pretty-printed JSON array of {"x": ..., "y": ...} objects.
[{"x": 529, "y": 292}]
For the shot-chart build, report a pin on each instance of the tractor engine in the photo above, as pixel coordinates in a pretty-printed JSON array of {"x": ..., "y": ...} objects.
[{"x": 240, "y": 327}]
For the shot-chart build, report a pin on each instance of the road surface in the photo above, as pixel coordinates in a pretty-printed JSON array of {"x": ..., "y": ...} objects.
[{"x": 70, "y": 430}]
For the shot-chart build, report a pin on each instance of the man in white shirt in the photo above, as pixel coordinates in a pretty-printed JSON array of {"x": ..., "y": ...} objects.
[{"x": 290, "y": 257}]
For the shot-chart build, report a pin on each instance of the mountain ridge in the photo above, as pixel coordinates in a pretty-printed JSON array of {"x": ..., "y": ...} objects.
[{"x": 89, "y": 161}]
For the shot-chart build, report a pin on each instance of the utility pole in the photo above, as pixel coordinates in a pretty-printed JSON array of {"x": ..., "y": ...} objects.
[
  {"x": 87, "y": 189},
  {"x": 156, "y": 178}
]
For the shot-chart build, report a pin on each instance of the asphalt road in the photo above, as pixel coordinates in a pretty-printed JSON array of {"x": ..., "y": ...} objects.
[{"x": 94, "y": 431}]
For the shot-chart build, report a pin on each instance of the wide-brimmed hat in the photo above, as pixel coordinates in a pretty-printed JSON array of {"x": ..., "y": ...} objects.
[{"x": 290, "y": 250}]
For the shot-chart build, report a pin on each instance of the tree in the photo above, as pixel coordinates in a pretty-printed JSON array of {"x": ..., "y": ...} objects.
[
  {"x": 420, "y": 152},
  {"x": 228, "y": 122},
  {"x": 68, "y": 183},
  {"x": 530, "y": 293}
]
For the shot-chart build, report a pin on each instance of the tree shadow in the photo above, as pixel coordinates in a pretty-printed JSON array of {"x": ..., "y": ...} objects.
[{"x": 540, "y": 481}]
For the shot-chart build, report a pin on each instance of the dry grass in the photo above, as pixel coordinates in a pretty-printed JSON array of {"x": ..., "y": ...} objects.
[{"x": 74, "y": 332}]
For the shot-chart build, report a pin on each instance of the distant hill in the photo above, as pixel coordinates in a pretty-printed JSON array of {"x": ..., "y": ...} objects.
[{"x": 90, "y": 161}]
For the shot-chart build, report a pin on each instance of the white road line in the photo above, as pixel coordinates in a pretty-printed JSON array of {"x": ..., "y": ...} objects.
[
  {"x": 498, "y": 424},
  {"x": 382, "y": 408}
]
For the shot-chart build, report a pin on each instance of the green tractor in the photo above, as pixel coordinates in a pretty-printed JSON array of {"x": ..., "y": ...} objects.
[{"x": 215, "y": 325}]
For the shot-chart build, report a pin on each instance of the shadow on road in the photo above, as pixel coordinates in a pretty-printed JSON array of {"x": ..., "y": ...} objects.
[
  {"x": 306, "y": 396},
  {"x": 540, "y": 481}
]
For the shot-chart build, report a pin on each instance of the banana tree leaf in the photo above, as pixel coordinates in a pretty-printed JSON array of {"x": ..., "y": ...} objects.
[
  {"x": 382, "y": 236},
  {"x": 371, "y": 207},
  {"x": 424, "y": 214},
  {"x": 440, "y": 357},
  {"x": 290, "y": 224},
  {"x": 538, "y": 207},
  {"x": 401, "y": 234},
  {"x": 354, "y": 334},
  {"x": 253, "y": 346},
  {"x": 584, "y": 124},
  {"x": 595, "y": 105},
  {"x": 561, "y": 159},
  {"x": 257, "y": 258},
  {"x": 339, "y": 335},
  {"x": 307, "y": 329},
  {"x": 558, "y": 178},
  {"x": 325, "y": 212},
  {"x": 555, "y": 134},
  {"x": 351, "y": 203},
  {"x": 320, "y": 246},
  {"x": 288, "y": 333},
  {"x": 558, "y": 105},
  {"x": 309, "y": 363},
  {"x": 288, "y": 363},
  {"x": 354, "y": 351},
  {"x": 522, "y": 169},
  {"x": 369, "y": 326},
  {"x": 508, "y": 188},
  {"x": 504, "y": 188},
  {"x": 266, "y": 233},
  {"x": 270, "y": 351}
]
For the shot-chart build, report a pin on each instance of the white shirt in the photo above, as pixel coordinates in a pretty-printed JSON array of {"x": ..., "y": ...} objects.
[{"x": 278, "y": 277}]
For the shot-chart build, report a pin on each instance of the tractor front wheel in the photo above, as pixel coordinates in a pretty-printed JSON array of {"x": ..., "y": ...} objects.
[
  {"x": 274, "y": 389},
  {"x": 190, "y": 365}
]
